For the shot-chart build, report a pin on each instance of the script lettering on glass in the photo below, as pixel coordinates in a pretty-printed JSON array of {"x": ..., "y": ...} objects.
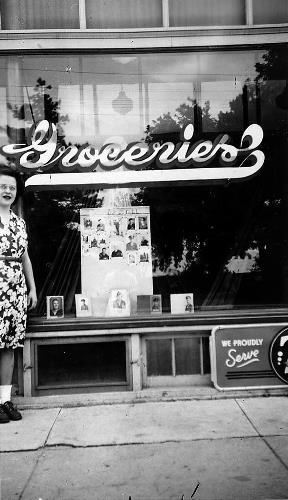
[{"x": 90, "y": 165}]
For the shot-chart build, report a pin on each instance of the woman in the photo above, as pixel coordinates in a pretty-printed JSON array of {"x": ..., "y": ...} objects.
[{"x": 16, "y": 275}]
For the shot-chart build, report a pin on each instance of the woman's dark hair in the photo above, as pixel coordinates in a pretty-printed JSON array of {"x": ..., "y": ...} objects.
[{"x": 10, "y": 172}]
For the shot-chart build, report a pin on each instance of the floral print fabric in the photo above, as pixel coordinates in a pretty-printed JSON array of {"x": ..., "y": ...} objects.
[{"x": 13, "y": 291}]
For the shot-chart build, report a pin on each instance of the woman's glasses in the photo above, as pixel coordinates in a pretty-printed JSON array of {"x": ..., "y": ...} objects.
[{"x": 6, "y": 187}]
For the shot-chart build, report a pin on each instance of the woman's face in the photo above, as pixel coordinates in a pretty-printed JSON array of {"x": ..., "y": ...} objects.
[{"x": 8, "y": 190}]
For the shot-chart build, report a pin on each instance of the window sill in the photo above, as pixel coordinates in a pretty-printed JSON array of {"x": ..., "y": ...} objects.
[{"x": 205, "y": 320}]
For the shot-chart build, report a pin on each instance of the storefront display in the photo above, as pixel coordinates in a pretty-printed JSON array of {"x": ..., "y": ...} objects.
[
  {"x": 115, "y": 253},
  {"x": 156, "y": 201}
]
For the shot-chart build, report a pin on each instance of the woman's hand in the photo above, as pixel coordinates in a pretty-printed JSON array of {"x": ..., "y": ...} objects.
[
  {"x": 28, "y": 272},
  {"x": 32, "y": 299}
]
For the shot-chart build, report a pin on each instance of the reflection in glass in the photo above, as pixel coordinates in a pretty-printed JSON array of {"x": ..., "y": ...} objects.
[
  {"x": 267, "y": 12},
  {"x": 105, "y": 14},
  {"x": 228, "y": 243},
  {"x": 39, "y": 14},
  {"x": 206, "y": 12}
]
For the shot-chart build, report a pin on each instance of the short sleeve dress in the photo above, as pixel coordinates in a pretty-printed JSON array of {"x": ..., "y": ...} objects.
[{"x": 13, "y": 291}]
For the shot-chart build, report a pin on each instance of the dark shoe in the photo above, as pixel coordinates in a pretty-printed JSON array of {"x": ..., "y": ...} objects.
[
  {"x": 4, "y": 419},
  {"x": 10, "y": 411}
]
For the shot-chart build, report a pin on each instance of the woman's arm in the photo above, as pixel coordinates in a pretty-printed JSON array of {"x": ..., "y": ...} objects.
[{"x": 28, "y": 272}]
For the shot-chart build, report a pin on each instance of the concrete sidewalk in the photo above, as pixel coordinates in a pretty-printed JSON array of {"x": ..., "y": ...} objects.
[{"x": 225, "y": 449}]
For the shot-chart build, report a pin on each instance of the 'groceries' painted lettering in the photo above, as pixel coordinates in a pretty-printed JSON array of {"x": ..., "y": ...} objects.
[{"x": 43, "y": 152}]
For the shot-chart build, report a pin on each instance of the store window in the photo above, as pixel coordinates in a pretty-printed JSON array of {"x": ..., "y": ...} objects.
[
  {"x": 177, "y": 356},
  {"x": 110, "y": 14},
  {"x": 267, "y": 12},
  {"x": 206, "y": 12},
  {"x": 62, "y": 365},
  {"x": 221, "y": 243},
  {"x": 39, "y": 14}
]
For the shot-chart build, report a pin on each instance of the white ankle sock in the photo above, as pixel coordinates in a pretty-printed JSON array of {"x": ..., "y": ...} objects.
[{"x": 5, "y": 393}]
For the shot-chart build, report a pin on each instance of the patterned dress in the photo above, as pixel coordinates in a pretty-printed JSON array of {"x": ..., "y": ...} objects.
[{"x": 13, "y": 291}]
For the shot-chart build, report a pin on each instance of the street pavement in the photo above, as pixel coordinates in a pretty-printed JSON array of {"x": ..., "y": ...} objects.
[{"x": 206, "y": 449}]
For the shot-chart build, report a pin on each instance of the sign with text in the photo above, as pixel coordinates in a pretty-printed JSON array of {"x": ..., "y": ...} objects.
[
  {"x": 137, "y": 163},
  {"x": 240, "y": 357}
]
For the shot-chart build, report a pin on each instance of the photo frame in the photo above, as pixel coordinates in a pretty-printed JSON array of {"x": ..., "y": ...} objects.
[
  {"x": 156, "y": 304},
  {"x": 55, "y": 306},
  {"x": 149, "y": 304},
  {"x": 182, "y": 303},
  {"x": 118, "y": 303},
  {"x": 83, "y": 306}
]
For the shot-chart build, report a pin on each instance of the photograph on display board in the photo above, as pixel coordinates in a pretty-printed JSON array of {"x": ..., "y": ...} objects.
[
  {"x": 100, "y": 225},
  {"x": 131, "y": 224},
  {"x": 143, "y": 223},
  {"x": 182, "y": 303},
  {"x": 55, "y": 306},
  {"x": 117, "y": 249},
  {"x": 132, "y": 258},
  {"x": 131, "y": 243},
  {"x": 83, "y": 305},
  {"x": 115, "y": 229},
  {"x": 94, "y": 242},
  {"x": 87, "y": 222},
  {"x": 104, "y": 255},
  {"x": 144, "y": 240},
  {"x": 144, "y": 256},
  {"x": 118, "y": 303}
]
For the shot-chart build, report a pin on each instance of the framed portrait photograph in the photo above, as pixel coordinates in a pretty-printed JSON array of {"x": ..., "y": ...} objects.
[
  {"x": 118, "y": 303},
  {"x": 155, "y": 304},
  {"x": 83, "y": 306},
  {"x": 55, "y": 306},
  {"x": 182, "y": 303},
  {"x": 149, "y": 304}
]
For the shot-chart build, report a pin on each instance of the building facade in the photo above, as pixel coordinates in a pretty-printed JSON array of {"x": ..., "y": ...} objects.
[{"x": 152, "y": 139}]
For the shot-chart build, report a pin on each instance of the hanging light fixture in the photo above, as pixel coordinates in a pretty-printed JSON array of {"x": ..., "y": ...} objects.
[{"x": 122, "y": 104}]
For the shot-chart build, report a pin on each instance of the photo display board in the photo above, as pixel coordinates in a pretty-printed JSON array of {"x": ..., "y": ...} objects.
[
  {"x": 115, "y": 253},
  {"x": 241, "y": 357}
]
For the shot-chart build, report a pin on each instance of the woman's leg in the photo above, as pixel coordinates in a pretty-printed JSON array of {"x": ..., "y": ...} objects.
[
  {"x": 6, "y": 372},
  {"x": 6, "y": 366}
]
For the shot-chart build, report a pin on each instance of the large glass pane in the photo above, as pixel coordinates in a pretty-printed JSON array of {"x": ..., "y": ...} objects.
[
  {"x": 81, "y": 363},
  {"x": 225, "y": 242},
  {"x": 159, "y": 357},
  {"x": 267, "y": 12},
  {"x": 206, "y": 12},
  {"x": 187, "y": 356},
  {"x": 39, "y": 14},
  {"x": 123, "y": 14}
]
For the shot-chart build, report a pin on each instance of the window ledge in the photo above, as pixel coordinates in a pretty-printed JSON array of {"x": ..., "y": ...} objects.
[
  {"x": 142, "y": 39},
  {"x": 204, "y": 320}
]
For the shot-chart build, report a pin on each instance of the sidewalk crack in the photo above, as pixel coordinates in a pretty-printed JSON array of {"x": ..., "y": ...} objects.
[
  {"x": 262, "y": 437},
  {"x": 52, "y": 426},
  {"x": 41, "y": 451}
]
